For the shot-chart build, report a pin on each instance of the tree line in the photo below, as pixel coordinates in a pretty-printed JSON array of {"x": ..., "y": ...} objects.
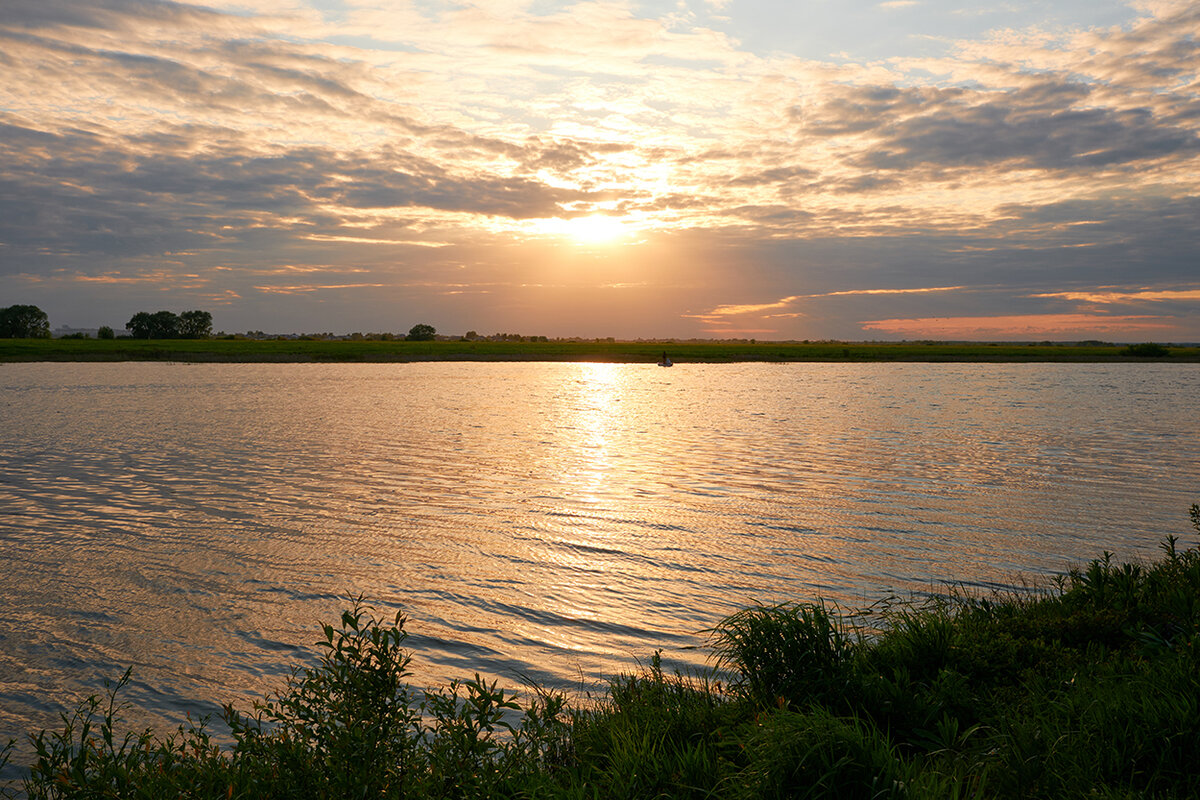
[
  {"x": 167, "y": 325},
  {"x": 31, "y": 322}
]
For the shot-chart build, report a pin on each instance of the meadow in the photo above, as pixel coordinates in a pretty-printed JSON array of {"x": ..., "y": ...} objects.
[
  {"x": 367, "y": 350},
  {"x": 1089, "y": 687}
]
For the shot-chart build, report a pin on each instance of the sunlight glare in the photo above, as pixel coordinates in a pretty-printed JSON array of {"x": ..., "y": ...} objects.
[{"x": 595, "y": 229}]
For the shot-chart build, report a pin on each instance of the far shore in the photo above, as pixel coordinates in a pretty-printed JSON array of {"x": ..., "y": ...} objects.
[{"x": 301, "y": 350}]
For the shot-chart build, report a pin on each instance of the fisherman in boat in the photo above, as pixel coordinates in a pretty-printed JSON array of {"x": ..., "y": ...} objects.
[{"x": 666, "y": 362}]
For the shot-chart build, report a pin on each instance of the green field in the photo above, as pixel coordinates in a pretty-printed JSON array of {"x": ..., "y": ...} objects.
[{"x": 302, "y": 350}]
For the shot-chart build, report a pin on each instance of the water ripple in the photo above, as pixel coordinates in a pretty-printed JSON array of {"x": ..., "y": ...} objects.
[{"x": 555, "y": 521}]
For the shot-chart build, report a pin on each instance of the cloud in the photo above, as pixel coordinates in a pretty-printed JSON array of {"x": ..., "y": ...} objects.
[
  {"x": 151, "y": 145},
  {"x": 305, "y": 288},
  {"x": 1144, "y": 295},
  {"x": 1022, "y": 326}
]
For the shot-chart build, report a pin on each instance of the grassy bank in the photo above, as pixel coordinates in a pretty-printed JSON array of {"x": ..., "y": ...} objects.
[
  {"x": 1089, "y": 689},
  {"x": 300, "y": 350}
]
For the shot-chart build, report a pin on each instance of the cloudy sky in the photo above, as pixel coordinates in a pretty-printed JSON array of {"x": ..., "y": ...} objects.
[{"x": 771, "y": 169}]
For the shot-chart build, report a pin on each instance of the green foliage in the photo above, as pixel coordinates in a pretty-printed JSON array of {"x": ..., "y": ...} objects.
[
  {"x": 194, "y": 325},
  {"x": 167, "y": 325},
  {"x": 159, "y": 325},
  {"x": 105, "y": 332},
  {"x": 421, "y": 333},
  {"x": 24, "y": 322},
  {"x": 818, "y": 754},
  {"x": 1146, "y": 350},
  {"x": 793, "y": 653},
  {"x": 656, "y": 735},
  {"x": 350, "y": 726}
]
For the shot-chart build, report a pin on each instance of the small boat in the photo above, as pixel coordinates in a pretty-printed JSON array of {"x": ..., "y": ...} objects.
[{"x": 666, "y": 362}]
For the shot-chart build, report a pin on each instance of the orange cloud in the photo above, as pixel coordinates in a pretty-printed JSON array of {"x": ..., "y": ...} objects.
[
  {"x": 747, "y": 308},
  {"x": 314, "y": 287},
  {"x": 785, "y": 302},
  {"x": 321, "y": 237},
  {"x": 887, "y": 291},
  {"x": 1019, "y": 326},
  {"x": 1124, "y": 297}
]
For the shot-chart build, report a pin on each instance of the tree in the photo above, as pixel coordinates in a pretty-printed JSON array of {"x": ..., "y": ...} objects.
[
  {"x": 24, "y": 322},
  {"x": 421, "y": 333},
  {"x": 159, "y": 325},
  {"x": 105, "y": 332},
  {"x": 195, "y": 324},
  {"x": 139, "y": 325}
]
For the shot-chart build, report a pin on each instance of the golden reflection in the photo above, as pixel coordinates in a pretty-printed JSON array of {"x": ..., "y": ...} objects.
[{"x": 593, "y": 415}]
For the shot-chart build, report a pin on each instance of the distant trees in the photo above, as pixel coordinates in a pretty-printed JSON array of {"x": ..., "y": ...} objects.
[
  {"x": 160, "y": 325},
  {"x": 1146, "y": 350},
  {"x": 166, "y": 325},
  {"x": 421, "y": 333},
  {"x": 24, "y": 322},
  {"x": 105, "y": 332}
]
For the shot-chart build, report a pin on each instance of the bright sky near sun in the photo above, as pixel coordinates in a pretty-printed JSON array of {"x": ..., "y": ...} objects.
[{"x": 809, "y": 169}]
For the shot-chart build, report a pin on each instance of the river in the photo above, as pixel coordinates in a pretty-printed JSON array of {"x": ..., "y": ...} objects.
[{"x": 553, "y": 521}]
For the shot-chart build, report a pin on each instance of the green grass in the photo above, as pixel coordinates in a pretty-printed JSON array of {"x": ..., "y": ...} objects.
[
  {"x": 1088, "y": 689},
  {"x": 301, "y": 350}
]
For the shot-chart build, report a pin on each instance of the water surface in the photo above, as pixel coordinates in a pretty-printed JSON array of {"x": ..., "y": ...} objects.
[{"x": 554, "y": 521}]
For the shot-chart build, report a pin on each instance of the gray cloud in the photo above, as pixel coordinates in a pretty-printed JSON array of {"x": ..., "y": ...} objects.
[
  {"x": 100, "y": 14},
  {"x": 1047, "y": 126}
]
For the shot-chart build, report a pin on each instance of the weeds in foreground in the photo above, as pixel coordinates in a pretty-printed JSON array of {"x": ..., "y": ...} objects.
[{"x": 1091, "y": 689}]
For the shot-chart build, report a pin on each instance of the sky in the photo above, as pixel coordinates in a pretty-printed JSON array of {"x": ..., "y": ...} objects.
[{"x": 769, "y": 169}]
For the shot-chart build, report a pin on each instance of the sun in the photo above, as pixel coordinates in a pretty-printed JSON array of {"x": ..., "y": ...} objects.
[{"x": 594, "y": 229}]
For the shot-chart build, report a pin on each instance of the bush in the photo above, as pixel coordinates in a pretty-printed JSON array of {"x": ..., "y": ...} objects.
[{"x": 350, "y": 726}]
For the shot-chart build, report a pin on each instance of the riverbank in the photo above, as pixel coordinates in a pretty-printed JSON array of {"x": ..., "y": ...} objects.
[
  {"x": 310, "y": 350},
  {"x": 1087, "y": 689}
]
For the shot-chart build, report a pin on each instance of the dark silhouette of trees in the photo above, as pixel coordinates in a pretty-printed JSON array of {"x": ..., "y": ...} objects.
[
  {"x": 421, "y": 333},
  {"x": 166, "y": 325},
  {"x": 159, "y": 325},
  {"x": 195, "y": 324},
  {"x": 24, "y": 322},
  {"x": 105, "y": 332}
]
